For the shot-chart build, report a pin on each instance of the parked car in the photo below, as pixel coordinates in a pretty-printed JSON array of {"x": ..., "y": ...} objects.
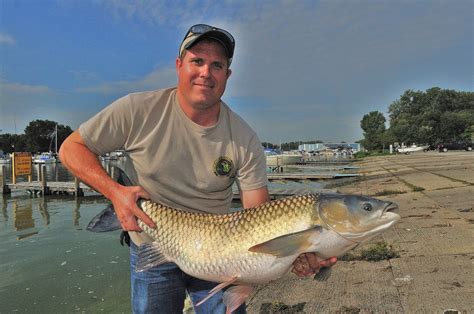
[{"x": 444, "y": 147}]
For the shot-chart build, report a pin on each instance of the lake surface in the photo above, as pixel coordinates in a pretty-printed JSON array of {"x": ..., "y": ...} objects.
[{"x": 49, "y": 263}]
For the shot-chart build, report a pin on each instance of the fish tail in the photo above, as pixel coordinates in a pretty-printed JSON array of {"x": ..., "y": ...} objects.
[{"x": 107, "y": 220}]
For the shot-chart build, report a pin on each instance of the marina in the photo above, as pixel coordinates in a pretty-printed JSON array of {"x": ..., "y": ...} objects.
[{"x": 47, "y": 182}]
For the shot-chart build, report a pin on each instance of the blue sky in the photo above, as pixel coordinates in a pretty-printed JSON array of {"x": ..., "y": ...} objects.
[{"x": 303, "y": 70}]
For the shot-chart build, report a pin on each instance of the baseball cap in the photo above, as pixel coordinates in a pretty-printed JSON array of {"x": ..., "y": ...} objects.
[{"x": 201, "y": 31}]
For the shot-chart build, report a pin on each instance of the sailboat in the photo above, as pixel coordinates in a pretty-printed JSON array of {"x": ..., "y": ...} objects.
[{"x": 49, "y": 157}]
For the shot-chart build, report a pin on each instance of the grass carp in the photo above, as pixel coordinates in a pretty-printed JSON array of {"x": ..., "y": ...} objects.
[{"x": 257, "y": 245}]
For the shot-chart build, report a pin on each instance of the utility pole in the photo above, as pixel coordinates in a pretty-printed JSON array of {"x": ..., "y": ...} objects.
[{"x": 56, "y": 137}]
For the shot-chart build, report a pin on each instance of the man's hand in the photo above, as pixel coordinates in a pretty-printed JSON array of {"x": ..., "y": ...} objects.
[
  {"x": 127, "y": 210},
  {"x": 308, "y": 264}
]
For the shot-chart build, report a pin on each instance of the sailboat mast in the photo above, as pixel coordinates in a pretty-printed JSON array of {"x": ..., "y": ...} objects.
[{"x": 56, "y": 138}]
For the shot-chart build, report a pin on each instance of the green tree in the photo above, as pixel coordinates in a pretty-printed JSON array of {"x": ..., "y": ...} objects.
[
  {"x": 373, "y": 125},
  {"x": 12, "y": 143},
  {"x": 40, "y": 135},
  {"x": 434, "y": 116},
  {"x": 269, "y": 145}
]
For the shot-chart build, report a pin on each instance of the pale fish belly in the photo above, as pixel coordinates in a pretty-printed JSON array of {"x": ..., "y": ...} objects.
[{"x": 252, "y": 269}]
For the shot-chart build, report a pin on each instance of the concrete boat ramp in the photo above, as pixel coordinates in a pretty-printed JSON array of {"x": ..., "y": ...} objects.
[{"x": 435, "y": 241}]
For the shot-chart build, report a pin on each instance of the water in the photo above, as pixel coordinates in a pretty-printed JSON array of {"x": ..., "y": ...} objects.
[{"x": 49, "y": 263}]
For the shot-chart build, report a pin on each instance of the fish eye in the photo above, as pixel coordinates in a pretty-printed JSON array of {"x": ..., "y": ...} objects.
[{"x": 367, "y": 207}]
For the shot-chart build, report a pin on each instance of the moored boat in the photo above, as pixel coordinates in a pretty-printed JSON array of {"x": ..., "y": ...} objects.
[{"x": 45, "y": 158}]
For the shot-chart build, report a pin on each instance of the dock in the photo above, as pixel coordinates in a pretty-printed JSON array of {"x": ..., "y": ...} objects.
[
  {"x": 308, "y": 176},
  {"x": 49, "y": 188},
  {"x": 44, "y": 187}
]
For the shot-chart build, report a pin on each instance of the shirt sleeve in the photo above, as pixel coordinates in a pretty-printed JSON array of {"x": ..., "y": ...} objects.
[
  {"x": 110, "y": 128},
  {"x": 252, "y": 175}
]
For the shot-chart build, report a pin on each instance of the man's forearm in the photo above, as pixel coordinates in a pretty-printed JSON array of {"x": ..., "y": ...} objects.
[{"x": 84, "y": 164}]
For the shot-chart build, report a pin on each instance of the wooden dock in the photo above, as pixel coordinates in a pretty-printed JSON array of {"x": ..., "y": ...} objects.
[
  {"x": 49, "y": 188},
  {"x": 308, "y": 176},
  {"x": 44, "y": 187}
]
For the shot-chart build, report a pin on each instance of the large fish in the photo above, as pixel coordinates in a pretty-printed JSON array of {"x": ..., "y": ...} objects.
[{"x": 258, "y": 245}]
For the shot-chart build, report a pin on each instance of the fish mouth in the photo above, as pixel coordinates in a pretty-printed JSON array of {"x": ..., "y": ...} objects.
[{"x": 391, "y": 212}]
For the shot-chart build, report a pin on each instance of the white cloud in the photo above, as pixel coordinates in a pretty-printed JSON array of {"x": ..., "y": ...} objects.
[
  {"x": 303, "y": 47},
  {"x": 6, "y": 39},
  {"x": 158, "y": 78},
  {"x": 6, "y": 87},
  {"x": 82, "y": 75},
  {"x": 153, "y": 12}
]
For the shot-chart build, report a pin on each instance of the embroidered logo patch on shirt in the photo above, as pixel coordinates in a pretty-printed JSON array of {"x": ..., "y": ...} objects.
[{"x": 223, "y": 166}]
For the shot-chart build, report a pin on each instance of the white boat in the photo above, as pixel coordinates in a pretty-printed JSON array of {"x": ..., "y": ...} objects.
[
  {"x": 115, "y": 155},
  {"x": 276, "y": 160},
  {"x": 4, "y": 160},
  {"x": 411, "y": 149},
  {"x": 45, "y": 158},
  {"x": 49, "y": 158}
]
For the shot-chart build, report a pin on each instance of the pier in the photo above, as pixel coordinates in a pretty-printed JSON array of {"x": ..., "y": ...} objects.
[
  {"x": 308, "y": 176},
  {"x": 43, "y": 186}
]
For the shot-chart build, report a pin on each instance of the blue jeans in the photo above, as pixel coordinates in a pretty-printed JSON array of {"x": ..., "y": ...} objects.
[{"x": 162, "y": 289}]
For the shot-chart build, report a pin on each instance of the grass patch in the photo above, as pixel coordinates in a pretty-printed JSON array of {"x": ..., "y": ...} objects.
[
  {"x": 413, "y": 187},
  {"x": 279, "y": 307},
  {"x": 361, "y": 154},
  {"x": 388, "y": 192},
  {"x": 337, "y": 183},
  {"x": 349, "y": 310},
  {"x": 377, "y": 252}
]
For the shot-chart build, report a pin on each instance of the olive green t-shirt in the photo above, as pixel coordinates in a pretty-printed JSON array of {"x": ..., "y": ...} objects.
[{"x": 178, "y": 162}]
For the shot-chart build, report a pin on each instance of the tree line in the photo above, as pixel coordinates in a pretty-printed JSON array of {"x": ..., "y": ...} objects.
[
  {"x": 423, "y": 117},
  {"x": 38, "y": 137}
]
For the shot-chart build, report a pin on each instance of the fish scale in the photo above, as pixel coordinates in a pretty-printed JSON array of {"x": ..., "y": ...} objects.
[{"x": 185, "y": 238}]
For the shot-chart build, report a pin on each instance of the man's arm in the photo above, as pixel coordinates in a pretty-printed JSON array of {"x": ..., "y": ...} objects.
[
  {"x": 253, "y": 198},
  {"x": 84, "y": 164}
]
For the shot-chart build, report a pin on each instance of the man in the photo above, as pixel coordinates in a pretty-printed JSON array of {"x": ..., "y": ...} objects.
[{"x": 185, "y": 149}]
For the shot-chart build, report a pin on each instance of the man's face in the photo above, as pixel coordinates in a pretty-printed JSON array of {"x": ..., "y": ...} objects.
[{"x": 203, "y": 74}]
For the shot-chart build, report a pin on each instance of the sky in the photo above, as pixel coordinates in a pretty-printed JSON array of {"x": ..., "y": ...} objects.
[{"x": 302, "y": 70}]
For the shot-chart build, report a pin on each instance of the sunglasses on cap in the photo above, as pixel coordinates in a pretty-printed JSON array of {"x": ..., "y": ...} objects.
[{"x": 199, "y": 31}]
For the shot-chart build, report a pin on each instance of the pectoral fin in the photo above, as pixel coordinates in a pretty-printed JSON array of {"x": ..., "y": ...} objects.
[
  {"x": 149, "y": 255},
  {"x": 289, "y": 244}
]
